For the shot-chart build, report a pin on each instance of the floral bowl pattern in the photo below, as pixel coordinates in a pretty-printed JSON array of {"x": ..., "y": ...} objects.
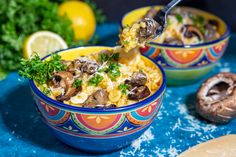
[
  {"x": 188, "y": 63},
  {"x": 97, "y": 130}
]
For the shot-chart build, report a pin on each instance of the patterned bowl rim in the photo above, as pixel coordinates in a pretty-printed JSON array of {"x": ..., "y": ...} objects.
[
  {"x": 226, "y": 34},
  {"x": 144, "y": 102}
]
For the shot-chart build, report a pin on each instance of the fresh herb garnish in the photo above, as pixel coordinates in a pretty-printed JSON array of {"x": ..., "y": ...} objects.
[
  {"x": 19, "y": 19},
  {"x": 199, "y": 21},
  {"x": 123, "y": 88},
  {"x": 41, "y": 71},
  {"x": 179, "y": 18},
  {"x": 95, "y": 80},
  {"x": 113, "y": 71},
  {"x": 77, "y": 83},
  {"x": 107, "y": 58},
  {"x": 103, "y": 57},
  {"x": 46, "y": 91},
  {"x": 126, "y": 42}
]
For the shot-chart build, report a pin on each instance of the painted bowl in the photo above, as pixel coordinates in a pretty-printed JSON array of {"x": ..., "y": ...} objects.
[
  {"x": 97, "y": 130},
  {"x": 184, "y": 64}
]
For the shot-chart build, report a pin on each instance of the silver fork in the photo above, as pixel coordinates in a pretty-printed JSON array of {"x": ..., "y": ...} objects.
[{"x": 161, "y": 17}]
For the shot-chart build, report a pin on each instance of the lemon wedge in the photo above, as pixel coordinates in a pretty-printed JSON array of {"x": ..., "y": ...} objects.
[{"x": 43, "y": 43}]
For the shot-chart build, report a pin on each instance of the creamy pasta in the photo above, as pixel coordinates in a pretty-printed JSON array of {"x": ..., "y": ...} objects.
[{"x": 105, "y": 79}]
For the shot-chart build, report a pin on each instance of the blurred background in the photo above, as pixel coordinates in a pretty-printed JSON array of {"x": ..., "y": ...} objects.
[
  {"x": 115, "y": 9},
  {"x": 21, "y": 20}
]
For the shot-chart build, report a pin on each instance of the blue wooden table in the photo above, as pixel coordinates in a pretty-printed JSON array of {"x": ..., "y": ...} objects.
[{"x": 176, "y": 128}]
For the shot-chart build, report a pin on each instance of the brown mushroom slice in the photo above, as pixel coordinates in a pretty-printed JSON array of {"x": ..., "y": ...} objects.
[
  {"x": 89, "y": 67},
  {"x": 138, "y": 93},
  {"x": 147, "y": 30},
  {"x": 137, "y": 79},
  {"x": 214, "y": 23},
  {"x": 98, "y": 99},
  {"x": 216, "y": 99},
  {"x": 211, "y": 32},
  {"x": 64, "y": 79},
  {"x": 190, "y": 31}
]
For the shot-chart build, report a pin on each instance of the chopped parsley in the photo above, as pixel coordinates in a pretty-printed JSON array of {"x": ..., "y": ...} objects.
[
  {"x": 199, "y": 21},
  {"x": 46, "y": 91},
  {"x": 107, "y": 58},
  {"x": 95, "y": 80},
  {"x": 113, "y": 71},
  {"x": 41, "y": 71},
  {"x": 123, "y": 88},
  {"x": 179, "y": 18},
  {"x": 126, "y": 42},
  {"x": 77, "y": 83}
]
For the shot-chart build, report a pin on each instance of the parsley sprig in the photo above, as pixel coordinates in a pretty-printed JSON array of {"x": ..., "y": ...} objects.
[
  {"x": 179, "y": 18},
  {"x": 95, "y": 80},
  {"x": 113, "y": 71},
  {"x": 41, "y": 71},
  {"x": 199, "y": 21},
  {"x": 77, "y": 83},
  {"x": 108, "y": 58},
  {"x": 123, "y": 87}
]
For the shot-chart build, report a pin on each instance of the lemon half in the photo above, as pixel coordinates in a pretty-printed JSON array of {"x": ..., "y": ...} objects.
[{"x": 43, "y": 43}]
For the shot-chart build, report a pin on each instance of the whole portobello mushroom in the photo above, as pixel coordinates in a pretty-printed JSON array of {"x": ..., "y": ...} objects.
[{"x": 216, "y": 98}]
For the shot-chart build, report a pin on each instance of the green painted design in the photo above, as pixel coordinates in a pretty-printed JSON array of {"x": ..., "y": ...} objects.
[{"x": 186, "y": 76}]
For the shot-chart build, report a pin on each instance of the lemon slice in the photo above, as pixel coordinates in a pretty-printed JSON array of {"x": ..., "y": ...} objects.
[{"x": 43, "y": 43}]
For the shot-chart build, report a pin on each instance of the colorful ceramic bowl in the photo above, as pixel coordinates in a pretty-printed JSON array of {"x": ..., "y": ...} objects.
[
  {"x": 184, "y": 64},
  {"x": 97, "y": 130}
]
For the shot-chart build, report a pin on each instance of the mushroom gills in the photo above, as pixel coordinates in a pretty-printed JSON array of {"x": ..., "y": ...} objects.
[
  {"x": 64, "y": 80},
  {"x": 219, "y": 91}
]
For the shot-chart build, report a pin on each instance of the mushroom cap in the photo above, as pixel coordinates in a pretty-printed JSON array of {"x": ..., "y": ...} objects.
[
  {"x": 148, "y": 29},
  {"x": 190, "y": 31},
  {"x": 138, "y": 93},
  {"x": 216, "y": 98},
  {"x": 64, "y": 79},
  {"x": 97, "y": 100}
]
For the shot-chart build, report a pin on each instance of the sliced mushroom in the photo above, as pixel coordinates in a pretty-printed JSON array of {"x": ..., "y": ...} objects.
[
  {"x": 211, "y": 32},
  {"x": 64, "y": 80},
  {"x": 214, "y": 23},
  {"x": 190, "y": 31},
  {"x": 138, "y": 93},
  {"x": 73, "y": 66},
  {"x": 97, "y": 99},
  {"x": 216, "y": 99},
  {"x": 148, "y": 29},
  {"x": 137, "y": 79},
  {"x": 89, "y": 67},
  {"x": 173, "y": 41}
]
